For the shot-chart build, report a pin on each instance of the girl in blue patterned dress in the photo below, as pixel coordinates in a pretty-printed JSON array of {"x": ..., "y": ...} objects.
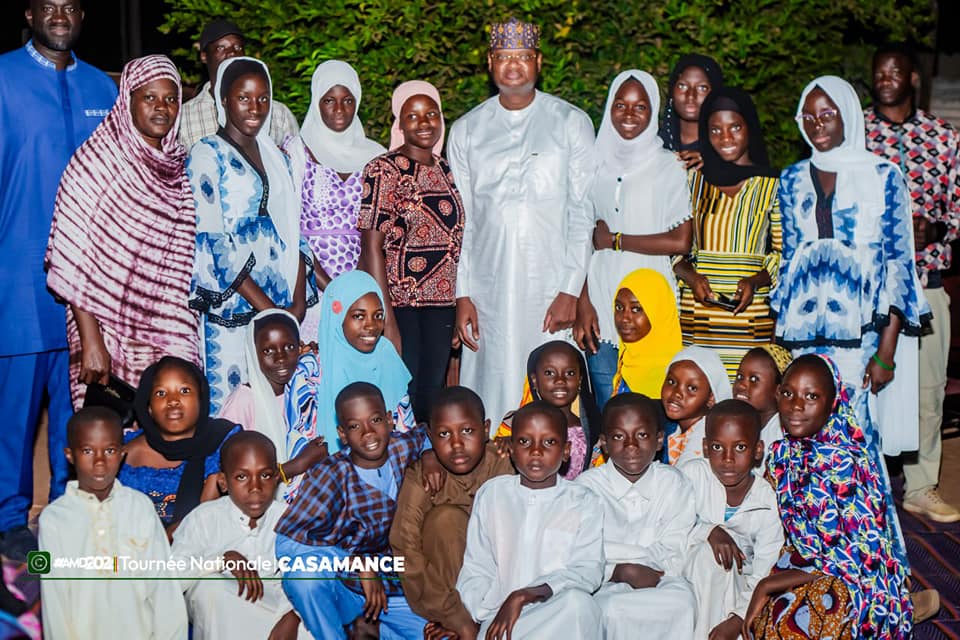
[
  {"x": 249, "y": 252},
  {"x": 175, "y": 458},
  {"x": 848, "y": 285}
]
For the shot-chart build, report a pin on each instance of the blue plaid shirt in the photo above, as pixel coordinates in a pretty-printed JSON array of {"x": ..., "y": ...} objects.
[{"x": 335, "y": 508}]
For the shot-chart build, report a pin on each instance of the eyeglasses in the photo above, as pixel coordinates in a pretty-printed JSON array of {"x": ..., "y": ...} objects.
[
  {"x": 827, "y": 116},
  {"x": 519, "y": 57}
]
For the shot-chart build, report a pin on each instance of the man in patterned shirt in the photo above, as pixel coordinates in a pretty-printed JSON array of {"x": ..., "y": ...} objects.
[
  {"x": 926, "y": 149},
  {"x": 221, "y": 40}
]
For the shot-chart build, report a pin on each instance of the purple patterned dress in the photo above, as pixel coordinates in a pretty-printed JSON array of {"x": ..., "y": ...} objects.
[{"x": 328, "y": 221}]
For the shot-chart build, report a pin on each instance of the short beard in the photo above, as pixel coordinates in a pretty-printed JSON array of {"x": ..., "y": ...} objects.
[{"x": 64, "y": 44}]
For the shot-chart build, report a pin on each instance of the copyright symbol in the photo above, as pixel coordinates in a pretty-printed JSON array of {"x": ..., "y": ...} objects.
[{"x": 38, "y": 563}]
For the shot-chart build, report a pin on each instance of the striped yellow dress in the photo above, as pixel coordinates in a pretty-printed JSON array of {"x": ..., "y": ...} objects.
[{"x": 733, "y": 238}]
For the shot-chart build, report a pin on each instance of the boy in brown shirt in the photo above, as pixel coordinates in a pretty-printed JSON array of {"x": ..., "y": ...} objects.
[{"x": 430, "y": 530}]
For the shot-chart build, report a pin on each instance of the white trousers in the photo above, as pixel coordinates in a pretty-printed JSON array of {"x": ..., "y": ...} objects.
[
  {"x": 570, "y": 614},
  {"x": 218, "y": 613},
  {"x": 667, "y": 611}
]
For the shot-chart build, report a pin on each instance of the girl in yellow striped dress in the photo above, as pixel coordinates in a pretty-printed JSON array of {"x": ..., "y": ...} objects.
[{"x": 726, "y": 279}]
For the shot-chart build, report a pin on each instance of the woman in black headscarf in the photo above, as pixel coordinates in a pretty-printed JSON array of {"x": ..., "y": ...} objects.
[
  {"x": 726, "y": 279},
  {"x": 176, "y": 457},
  {"x": 691, "y": 81}
]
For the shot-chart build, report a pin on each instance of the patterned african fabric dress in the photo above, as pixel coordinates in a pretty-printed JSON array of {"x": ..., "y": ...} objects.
[
  {"x": 237, "y": 237},
  {"x": 733, "y": 239},
  {"x": 329, "y": 207}
]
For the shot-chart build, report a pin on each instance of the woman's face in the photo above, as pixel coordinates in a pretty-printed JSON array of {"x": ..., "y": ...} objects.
[
  {"x": 363, "y": 324},
  {"x": 691, "y": 89},
  {"x": 822, "y": 121},
  {"x": 337, "y": 108},
  {"x": 729, "y": 136},
  {"x": 247, "y": 104},
  {"x": 420, "y": 122},
  {"x": 630, "y": 111},
  {"x": 154, "y": 108}
]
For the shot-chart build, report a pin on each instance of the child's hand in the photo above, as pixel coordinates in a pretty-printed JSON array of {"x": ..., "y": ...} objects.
[
  {"x": 171, "y": 529},
  {"x": 434, "y": 475},
  {"x": 725, "y": 550},
  {"x": 315, "y": 451},
  {"x": 433, "y": 631},
  {"x": 638, "y": 576},
  {"x": 502, "y": 626},
  {"x": 503, "y": 445},
  {"x": 248, "y": 579},
  {"x": 375, "y": 596},
  {"x": 286, "y": 627},
  {"x": 757, "y": 602},
  {"x": 729, "y": 629}
]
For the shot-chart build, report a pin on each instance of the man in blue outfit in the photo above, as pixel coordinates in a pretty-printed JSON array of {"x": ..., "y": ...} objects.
[{"x": 50, "y": 102}]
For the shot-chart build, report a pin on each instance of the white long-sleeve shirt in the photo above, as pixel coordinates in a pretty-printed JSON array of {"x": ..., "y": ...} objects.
[
  {"x": 524, "y": 177},
  {"x": 645, "y": 522},
  {"x": 755, "y": 527},
  {"x": 78, "y": 525},
  {"x": 519, "y": 537}
]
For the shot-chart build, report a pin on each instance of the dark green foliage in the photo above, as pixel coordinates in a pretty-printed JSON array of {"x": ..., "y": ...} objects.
[{"x": 771, "y": 48}]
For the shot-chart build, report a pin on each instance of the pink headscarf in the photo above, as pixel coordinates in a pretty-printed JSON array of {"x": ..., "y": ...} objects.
[
  {"x": 122, "y": 240},
  {"x": 403, "y": 93}
]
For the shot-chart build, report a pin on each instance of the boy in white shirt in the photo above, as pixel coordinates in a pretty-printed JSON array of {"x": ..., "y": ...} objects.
[
  {"x": 237, "y": 529},
  {"x": 534, "y": 544},
  {"x": 738, "y": 536},
  {"x": 647, "y": 514},
  {"x": 99, "y": 517}
]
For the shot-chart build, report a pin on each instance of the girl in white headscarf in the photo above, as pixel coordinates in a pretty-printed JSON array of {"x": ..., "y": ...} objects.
[
  {"x": 248, "y": 251},
  {"x": 328, "y": 159},
  {"x": 641, "y": 205},
  {"x": 848, "y": 283}
]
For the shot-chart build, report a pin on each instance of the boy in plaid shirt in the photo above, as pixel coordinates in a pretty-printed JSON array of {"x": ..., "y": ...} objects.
[{"x": 345, "y": 508}]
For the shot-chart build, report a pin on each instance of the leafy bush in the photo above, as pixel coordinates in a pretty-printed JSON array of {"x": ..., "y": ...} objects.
[{"x": 771, "y": 48}]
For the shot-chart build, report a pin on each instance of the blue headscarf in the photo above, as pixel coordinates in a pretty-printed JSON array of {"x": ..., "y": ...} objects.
[{"x": 341, "y": 363}]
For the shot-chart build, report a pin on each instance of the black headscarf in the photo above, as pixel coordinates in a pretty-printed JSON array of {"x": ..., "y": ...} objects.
[
  {"x": 589, "y": 412},
  {"x": 717, "y": 171},
  {"x": 194, "y": 450},
  {"x": 670, "y": 124}
]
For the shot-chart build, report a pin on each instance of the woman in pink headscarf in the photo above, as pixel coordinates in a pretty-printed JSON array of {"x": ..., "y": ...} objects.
[
  {"x": 122, "y": 241},
  {"x": 411, "y": 224}
]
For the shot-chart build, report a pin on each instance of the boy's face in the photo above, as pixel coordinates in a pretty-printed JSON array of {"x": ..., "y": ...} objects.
[
  {"x": 458, "y": 438},
  {"x": 557, "y": 377},
  {"x": 756, "y": 383},
  {"x": 538, "y": 448},
  {"x": 249, "y": 477},
  {"x": 631, "y": 440},
  {"x": 365, "y": 427},
  {"x": 733, "y": 449},
  {"x": 96, "y": 454},
  {"x": 277, "y": 350},
  {"x": 805, "y": 400},
  {"x": 686, "y": 393}
]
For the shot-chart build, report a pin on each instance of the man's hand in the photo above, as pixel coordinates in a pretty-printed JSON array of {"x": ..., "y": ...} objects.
[
  {"x": 561, "y": 314},
  {"x": 94, "y": 363},
  {"x": 602, "y": 237},
  {"x": 468, "y": 327},
  {"x": 586, "y": 328}
]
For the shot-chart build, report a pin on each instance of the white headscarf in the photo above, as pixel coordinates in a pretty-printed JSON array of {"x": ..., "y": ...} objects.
[
  {"x": 857, "y": 180},
  {"x": 346, "y": 151},
  {"x": 619, "y": 156},
  {"x": 283, "y": 201},
  {"x": 709, "y": 362},
  {"x": 269, "y": 418}
]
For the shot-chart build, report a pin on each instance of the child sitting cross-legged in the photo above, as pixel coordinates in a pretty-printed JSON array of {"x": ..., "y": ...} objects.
[
  {"x": 647, "y": 517},
  {"x": 344, "y": 509},
  {"x": 237, "y": 529},
  {"x": 430, "y": 529},
  {"x": 534, "y": 542},
  {"x": 738, "y": 536},
  {"x": 98, "y": 516}
]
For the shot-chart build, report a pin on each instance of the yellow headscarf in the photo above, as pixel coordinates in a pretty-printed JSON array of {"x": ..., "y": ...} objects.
[{"x": 643, "y": 364}]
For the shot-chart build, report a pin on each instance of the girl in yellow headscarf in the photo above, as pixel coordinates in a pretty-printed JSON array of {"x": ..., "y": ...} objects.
[{"x": 645, "y": 313}]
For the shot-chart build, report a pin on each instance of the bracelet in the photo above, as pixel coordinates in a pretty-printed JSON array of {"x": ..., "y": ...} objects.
[
  {"x": 617, "y": 237},
  {"x": 283, "y": 476},
  {"x": 883, "y": 365}
]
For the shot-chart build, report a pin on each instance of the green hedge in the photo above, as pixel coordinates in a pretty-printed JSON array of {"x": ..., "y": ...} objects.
[{"x": 771, "y": 48}]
